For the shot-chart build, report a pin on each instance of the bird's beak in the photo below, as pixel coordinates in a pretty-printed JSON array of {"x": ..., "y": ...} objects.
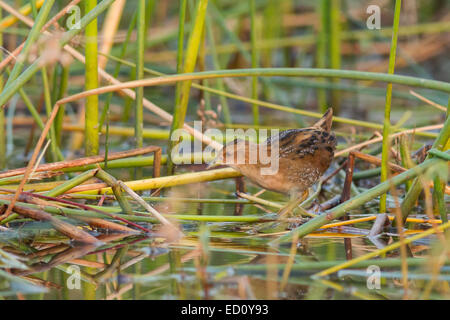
[{"x": 214, "y": 163}]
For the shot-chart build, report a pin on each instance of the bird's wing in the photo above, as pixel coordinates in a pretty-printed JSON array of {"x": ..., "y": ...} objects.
[
  {"x": 289, "y": 141},
  {"x": 300, "y": 142}
]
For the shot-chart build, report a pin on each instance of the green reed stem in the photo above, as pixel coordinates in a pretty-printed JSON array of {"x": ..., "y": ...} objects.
[
  {"x": 162, "y": 134},
  {"x": 79, "y": 179},
  {"x": 439, "y": 182},
  {"x": 405, "y": 153},
  {"x": 119, "y": 163},
  {"x": 31, "y": 108},
  {"x": 139, "y": 108},
  {"x": 34, "y": 9},
  {"x": 158, "y": 134},
  {"x": 63, "y": 84},
  {"x": 117, "y": 190},
  {"x": 54, "y": 80},
  {"x": 170, "y": 199},
  {"x": 179, "y": 69},
  {"x": 115, "y": 164},
  {"x": 91, "y": 141},
  {"x": 322, "y": 49},
  {"x": 146, "y": 217},
  {"x": 387, "y": 108},
  {"x": 318, "y": 265},
  {"x": 335, "y": 48},
  {"x": 288, "y": 72},
  {"x": 438, "y": 197},
  {"x": 48, "y": 108},
  {"x": 366, "y": 174},
  {"x": 254, "y": 60},
  {"x": 180, "y": 47},
  {"x": 205, "y": 96},
  {"x": 181, "y": 24},
  {"x": 439, "y": 154},
  {"x": 357, "y": 201},
  {"x": 274, "y": 106}
]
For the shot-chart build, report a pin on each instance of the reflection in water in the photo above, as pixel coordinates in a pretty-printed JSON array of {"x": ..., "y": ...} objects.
[{"x": 242, "y": 267}]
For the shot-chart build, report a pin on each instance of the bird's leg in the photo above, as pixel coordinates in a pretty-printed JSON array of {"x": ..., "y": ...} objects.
[{"x": 293, "y": 204}]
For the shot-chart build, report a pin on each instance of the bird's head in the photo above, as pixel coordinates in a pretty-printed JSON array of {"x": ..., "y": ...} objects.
[{"x": 232, "y": 154}]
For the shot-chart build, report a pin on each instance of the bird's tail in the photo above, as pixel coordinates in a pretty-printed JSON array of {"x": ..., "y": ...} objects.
[{"x": 325, "y": 122}]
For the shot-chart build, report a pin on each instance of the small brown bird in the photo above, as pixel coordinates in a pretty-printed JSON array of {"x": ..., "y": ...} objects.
[{"x": 304, "y": 155}]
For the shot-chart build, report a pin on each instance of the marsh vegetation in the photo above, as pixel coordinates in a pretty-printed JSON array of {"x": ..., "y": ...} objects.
[{"x": 97, "y": 201}]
